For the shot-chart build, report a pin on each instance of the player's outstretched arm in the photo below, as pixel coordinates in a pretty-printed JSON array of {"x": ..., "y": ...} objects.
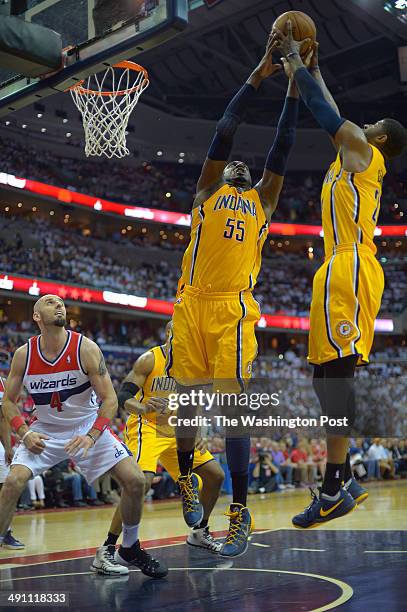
[
  {"x": 133, "y": 382},
  {"x": 94, "y": 364},
  {"x": 221, "y": 146},
  {"x": 317, "y": 74},
  {"x": 271, "y": 183},
  {"x": 350, "y": 138}
]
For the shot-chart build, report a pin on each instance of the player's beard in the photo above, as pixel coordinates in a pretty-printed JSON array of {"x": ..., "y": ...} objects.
[{"x": 60, "y": 321}]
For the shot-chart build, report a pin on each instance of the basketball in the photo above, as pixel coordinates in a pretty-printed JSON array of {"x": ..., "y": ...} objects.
[{"x": 303, "y": 27}]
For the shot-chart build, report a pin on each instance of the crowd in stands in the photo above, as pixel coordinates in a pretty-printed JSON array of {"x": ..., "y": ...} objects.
[
  {"x": 284, "y": 284},
  {"x": 146, "y": 184}
]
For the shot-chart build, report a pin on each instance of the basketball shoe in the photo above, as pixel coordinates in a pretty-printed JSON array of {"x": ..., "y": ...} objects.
[
  {"x": 9, "y": 541},
  {"x": 191, "y": 506},
  {"x": 202, "y": 538},
  {"x": 241, "y": 525},
  {"x": 135, "y": 556},
  {"x": 359, "y": 493},
  {"x": 104, "y": 563},
  {"x": 324, "y": 508}
]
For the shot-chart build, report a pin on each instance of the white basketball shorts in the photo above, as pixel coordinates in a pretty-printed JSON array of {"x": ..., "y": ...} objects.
[{"x": 108, "y": 451}]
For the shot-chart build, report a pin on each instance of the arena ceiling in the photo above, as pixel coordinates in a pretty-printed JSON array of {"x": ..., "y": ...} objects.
[{"x": 195, "y": 74}]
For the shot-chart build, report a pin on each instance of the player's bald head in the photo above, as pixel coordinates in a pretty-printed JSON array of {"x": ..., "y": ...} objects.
[
  {"x": 46, "y": 299},
  {"x": 49, "y": 311}
]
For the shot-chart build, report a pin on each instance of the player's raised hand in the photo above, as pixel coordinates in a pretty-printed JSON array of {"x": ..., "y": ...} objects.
[
  {"x": 314, "y": 57},
  {"x": 286, "y": 42},
  {"x": 266, "y": 68},
  {"x": 308, "y": 59},
  {"x": 77, "y": 444},
  {"x": 34, "y": 442}
]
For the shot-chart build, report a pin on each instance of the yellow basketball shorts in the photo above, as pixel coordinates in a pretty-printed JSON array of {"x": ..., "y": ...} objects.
[
  {"x": 346, "y": 296},
  {"x": 213, "y": 338},
  {"x": 149, "y": 448}
]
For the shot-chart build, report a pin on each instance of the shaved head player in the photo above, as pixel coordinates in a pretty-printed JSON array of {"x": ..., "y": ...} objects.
[
  {"x": 66, "y": 376},
  {"x": 347, "y": 289}
]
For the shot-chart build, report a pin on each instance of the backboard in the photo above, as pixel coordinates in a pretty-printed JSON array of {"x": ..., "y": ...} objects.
[{"x": 98, "y": 33}]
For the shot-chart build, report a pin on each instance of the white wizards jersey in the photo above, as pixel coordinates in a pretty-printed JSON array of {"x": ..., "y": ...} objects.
[{"x": 65, "y": 403}]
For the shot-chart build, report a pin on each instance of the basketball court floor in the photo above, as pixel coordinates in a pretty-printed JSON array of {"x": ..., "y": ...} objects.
[{"x": 357, "y": 563}]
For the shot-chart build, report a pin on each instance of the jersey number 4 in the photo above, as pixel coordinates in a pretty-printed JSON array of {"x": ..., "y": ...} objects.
[
  {"x": 56, "y": 401},
  {"x": 235, "y": 229}
]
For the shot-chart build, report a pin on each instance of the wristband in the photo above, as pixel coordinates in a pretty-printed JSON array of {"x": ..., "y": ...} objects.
[
  {"x": 92, "y": 438},
  {"x": 101, "y": 424},
  {"x": 26, "y": 434},
  {"x": 17, "y": 422},
  {"x": 313, "y": 68},
  {"x": 292, "y": 54}
]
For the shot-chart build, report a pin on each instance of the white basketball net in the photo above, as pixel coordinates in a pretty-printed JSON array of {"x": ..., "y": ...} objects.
[{"x": 105, "y": 116}]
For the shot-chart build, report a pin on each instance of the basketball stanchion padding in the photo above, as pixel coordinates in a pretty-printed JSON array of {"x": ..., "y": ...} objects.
[
  {"x": 29, "y": 48},
  {"x": 106, "y": 102}
]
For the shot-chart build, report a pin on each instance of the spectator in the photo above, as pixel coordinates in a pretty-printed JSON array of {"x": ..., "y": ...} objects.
[
  {"x": 264, "y": 474},
  {"x": 377, "y": 452},
  {"x": 36, "y": 488},
  {"x": 285, "y": 470},
  {"x": 78, "y": 485},
  {"x": 305, "y": 471}
]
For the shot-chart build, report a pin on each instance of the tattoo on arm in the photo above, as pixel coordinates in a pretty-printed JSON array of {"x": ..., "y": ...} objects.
[{"x": 102, "y": 365}]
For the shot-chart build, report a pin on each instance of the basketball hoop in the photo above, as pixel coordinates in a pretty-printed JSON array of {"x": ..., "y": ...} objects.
[{"x": 105, "y": 113}]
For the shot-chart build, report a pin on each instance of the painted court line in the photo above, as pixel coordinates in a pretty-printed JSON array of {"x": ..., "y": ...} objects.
[
  {"x": 262, "y": 545},
  {"x": 389, "y": 552},
  {"x": 310, "y": 549}
]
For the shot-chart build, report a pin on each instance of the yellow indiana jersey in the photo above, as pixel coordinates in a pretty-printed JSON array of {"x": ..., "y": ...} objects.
[
  {"x": 351, "y": 204},
  {"x": 227, "y": 235},
  {"x": 157, "y": 384}
]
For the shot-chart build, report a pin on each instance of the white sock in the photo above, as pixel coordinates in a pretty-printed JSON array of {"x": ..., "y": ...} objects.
[
  {"x": 347, "y": 484},
  {"x": 130, "y": 535}
]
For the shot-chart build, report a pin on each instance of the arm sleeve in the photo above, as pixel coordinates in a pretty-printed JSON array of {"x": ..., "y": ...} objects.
[
  {"x": 313, "y": 97},
  {"x": 222, "y": 142},
  {"x": 285, "y": 137}
]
